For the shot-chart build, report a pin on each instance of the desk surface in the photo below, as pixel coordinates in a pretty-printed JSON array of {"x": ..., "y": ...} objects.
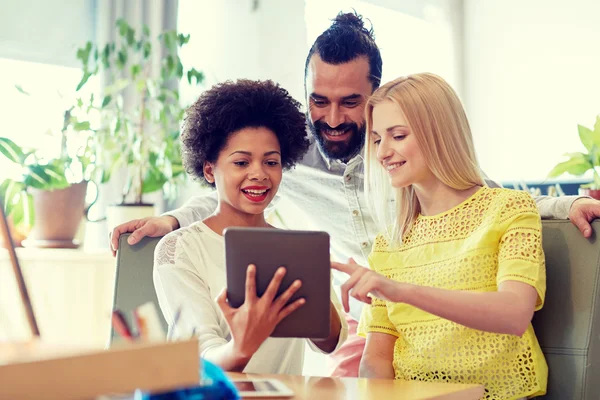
[{"x": 359, "y": 388}]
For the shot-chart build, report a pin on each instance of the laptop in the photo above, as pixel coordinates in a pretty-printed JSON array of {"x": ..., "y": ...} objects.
[{"x": 16, "y": 267}]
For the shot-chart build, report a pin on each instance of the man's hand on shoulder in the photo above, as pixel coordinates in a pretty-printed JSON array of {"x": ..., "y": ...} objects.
[
  {"x": 151, "y": 226},
  {"x": 582, "y": 212}
]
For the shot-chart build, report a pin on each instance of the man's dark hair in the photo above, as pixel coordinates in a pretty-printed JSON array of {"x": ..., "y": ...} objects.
[
  {"x": 230, "y": 106},
  {"x": 345, "y": 40}
]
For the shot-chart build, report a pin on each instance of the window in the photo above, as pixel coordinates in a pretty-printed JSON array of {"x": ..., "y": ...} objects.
[
  {"x": 412, "y": 38},
  {"x": 35, "y": 119}
]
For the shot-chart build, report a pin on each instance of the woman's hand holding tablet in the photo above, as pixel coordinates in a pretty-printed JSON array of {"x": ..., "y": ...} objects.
[{"x": 254, "y": 321}]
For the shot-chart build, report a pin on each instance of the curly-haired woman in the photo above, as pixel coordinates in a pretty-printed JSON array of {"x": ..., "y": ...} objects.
[{"x": 238, "y": 137}]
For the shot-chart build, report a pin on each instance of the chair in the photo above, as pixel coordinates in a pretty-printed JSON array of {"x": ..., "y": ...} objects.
[
  {"x": 568, "y": 327},
  {"x": 134, "y": 285}
]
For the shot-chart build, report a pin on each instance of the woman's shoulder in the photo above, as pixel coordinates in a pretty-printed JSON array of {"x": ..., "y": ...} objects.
[
  {"x": 510, "y": 201},
  {"x": 180, "y": 240}
]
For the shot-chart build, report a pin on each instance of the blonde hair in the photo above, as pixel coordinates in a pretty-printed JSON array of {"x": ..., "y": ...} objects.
[{"x": 436, "y": 117}]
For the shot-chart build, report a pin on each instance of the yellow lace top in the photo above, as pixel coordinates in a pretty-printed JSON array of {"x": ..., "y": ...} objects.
[{"x": 493, "y": 236}]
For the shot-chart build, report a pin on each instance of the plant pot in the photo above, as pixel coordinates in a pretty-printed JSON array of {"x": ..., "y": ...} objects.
[
  {"x": 120, "y": 213},
  {"x": 58, "y": 214},
  {"x": 593, "y": 193}
]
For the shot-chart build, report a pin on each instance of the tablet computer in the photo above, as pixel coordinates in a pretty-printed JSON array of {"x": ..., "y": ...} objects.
[
  {"x": 262, "y": 388},
  {"x": 304, "y": 254}
]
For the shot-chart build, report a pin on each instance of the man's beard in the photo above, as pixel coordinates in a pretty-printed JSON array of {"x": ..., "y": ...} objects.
[{"x": 343, "y": 150}]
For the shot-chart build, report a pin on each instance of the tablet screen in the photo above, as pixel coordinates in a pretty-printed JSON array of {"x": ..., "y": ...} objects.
[{"x": 255, "y": 386}]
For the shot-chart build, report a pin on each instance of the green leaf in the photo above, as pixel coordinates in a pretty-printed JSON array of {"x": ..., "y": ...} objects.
[
  {"x": 577, "y": 165},
  {"x": 135, "y": 70},
  {"x": 586, "y": 136},
  {"x": 146, "y": 30},
  {"x": 179, "y": 70},
  {"x": 130, "y": 36},
  {"x": 8, "y": 191},
  {"x": 197, "y": 75},
  {"x": 183, "y": 39},
  {"x": 153, "y": 181},
  {"x": 81, "y": 126},
  {"x": 20, "y": 89},
  {"x": 105, "y": 102},
  {"x": 147, "y": 50},
  {"x": 106, "y": 56},
  {"x": 84, "y": 79},
  {"x": 83, "y": 53},
  {"x": 123, "y": 26},
  {"x": 23, "y": 212},
  {"x": 122, "y": 58},
  {"x": 12, "y": 151}
]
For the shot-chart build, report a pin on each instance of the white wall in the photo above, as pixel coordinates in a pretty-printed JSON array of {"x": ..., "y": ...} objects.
[
  {"x": 230, "y": 40},
  {"x": 45, "y": 31},
  {"x": 532, "y": 73}
]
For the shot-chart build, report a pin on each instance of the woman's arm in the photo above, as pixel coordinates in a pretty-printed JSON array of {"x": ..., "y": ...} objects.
[
  {"x": 378, "y": 356},
  {"x": 507, "y": 311}
]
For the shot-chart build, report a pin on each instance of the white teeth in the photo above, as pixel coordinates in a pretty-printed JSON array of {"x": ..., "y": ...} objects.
[
  {"x": 255, "y": 192},
  {"x": 393, "y": 166},
  {"x": 334, "y": 133}
]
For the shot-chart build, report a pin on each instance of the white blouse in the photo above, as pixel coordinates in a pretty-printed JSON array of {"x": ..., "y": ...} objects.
[{"x": 189, "y": 273}]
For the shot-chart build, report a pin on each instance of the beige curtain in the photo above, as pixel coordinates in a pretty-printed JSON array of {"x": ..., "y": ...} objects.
[{"x": 158, "y": 15}]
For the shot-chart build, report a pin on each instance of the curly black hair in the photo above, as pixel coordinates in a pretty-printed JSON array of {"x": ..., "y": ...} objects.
[
  {"x": 230, "y": 106},
  {"x": 345, "y": 40}
]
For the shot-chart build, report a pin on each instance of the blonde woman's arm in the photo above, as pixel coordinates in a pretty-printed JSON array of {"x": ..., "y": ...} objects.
[
  {"x": 378, "y": 356},
  {"x": 507, "y": 311}
]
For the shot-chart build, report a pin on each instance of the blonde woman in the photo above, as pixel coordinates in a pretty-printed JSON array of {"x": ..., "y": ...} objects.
[{"x": 458, "y": 270}]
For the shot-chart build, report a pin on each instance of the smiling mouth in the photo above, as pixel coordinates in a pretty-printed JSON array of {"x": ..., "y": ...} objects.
[
  {"x": 256, "y": 195},
  {"x": 335, "y": 135},
  {"x": 394, "y": 166}
]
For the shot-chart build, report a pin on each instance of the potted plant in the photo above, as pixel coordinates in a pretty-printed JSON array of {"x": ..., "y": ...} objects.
[
  {"x": 136, "y": 122},
  {"x": 45, "y": 198},
  {"x": 579, "y": 163}
]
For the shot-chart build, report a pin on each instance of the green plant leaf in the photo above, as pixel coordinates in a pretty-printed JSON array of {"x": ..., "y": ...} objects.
[
  {"x": 81, "y": 126},
  {"x": 8, "y": 191},
  {"x": 146, "y": 30},
  {"x": 147, "y": 50},
  {"x": 577, "y": 165},
  {"x": 586, "y": 136},
  {"x": 20, "y": 89},
  {"x": 12, "y": 151},
  {"x": 122, "y": 58},
  {"x": 84, "y": 79},
  {"x": 135, "y": 70},
  {"x": 37, "y": 176},
  {"x": 153, "y": 181},
  {"x": 105, "y": 102},
  {"x": 183, "y": 39},
  {"x": 83, "y": 53},
  {"x": 22, "y": 211},
  {"x": 197, "y": 75},
  {"x": 130, "y": 36}
]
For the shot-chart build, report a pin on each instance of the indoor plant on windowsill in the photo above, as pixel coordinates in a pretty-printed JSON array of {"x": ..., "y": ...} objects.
[
  {"x": 579, "y": 163},
  {"x": 45, "y": 199},
  {"x": 139, "y": 115}
]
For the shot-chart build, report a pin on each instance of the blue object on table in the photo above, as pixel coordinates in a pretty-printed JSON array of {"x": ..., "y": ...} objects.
[{"x": 214, "y": 385}]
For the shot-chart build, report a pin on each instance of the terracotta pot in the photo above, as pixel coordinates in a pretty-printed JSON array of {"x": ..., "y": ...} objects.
[
  {"x": 58, "y": 214},
  {"x": 593, "y": 193}
]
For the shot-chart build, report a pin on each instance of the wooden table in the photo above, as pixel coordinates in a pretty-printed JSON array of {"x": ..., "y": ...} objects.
[{"x": 306, "y": 387}]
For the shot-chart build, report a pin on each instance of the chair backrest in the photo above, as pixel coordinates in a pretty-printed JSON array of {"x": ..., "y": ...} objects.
[
  {"x": 134, "y": 285},
  {"x": 568, "y": 327}
]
